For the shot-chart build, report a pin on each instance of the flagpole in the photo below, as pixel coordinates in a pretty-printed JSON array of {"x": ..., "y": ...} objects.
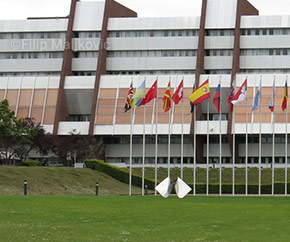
[
  {"x": 131, "y": 151},
  {"x": 273, "y": 141},
  {"x": 246, "y": 143},
  {"x": 182, "y": 136},
  {"x": 207, "y": 151},
  {"x": 194, "y": 151},
  {"x": 260, "y": 138},
  {"x": 156, "y": 136},
  {"x": 220, "y": 137},
  {"x": 144, "y": 141},
  {"x": 286, "y": 142},
  {"x": 234, "y": 149},
  {"x": 169, "y": 131}
]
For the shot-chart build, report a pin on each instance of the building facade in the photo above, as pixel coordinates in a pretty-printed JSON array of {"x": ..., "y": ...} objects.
[{"x": 72, "y": 74}]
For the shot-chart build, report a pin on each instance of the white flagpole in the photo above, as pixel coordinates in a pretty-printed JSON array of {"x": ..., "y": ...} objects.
[
  {"x": 156, "y": 137},
  {"x": 246, "y": 144},
  {"x": 286, "y": 145},
  {"x": 260, "y": 138},
  {"x": 131, "y": 150},
  {"x": 131, "y": 154},
  {"x": 273, "y": 144},
  {"x": 169, "y": 131},
  {"x": 234, "y": 148},
  {"x": 144, "y": 141},
  {"x": 220, "y": 145},
  {"x": 207, "y": 151},
  {"x": 194, "y": 152},
  {"x": 182, "y": 135}
]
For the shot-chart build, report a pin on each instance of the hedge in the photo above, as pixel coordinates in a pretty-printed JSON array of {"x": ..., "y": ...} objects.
[
  {"x": 123, "y": 176},
  {"x": 31, "y": 163},
  {"x": 118, "y": 174}
]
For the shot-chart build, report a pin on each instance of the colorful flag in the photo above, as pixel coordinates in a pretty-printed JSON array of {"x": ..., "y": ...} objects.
[
  {"x": 230, "y": 98},
  {"x": 178, "y": 95},
  {"x": 272, "y": 101},
  {"x": 257, "y": 99},
  {"x": 201, "y": 94},
  {"x": 285, "y": 98},
  {"x": 167, "y": 99},
  {"x": 138, "y": 96},
  {"x": 241, "y": 94},
  {"x": 217, "y": 98},
  {"x": 129, "y": 97},
  {"x": 151, "y": 94}
]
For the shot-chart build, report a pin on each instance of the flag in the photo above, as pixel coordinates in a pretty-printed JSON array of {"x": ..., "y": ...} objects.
[
  {"x": 151, "y": 94},
  {"x": 217, "y": 98},
  {"x": 230, "y": 98},
  {"x": 201, "y": 94},
  {"x": 129, "y": 97},
  {"x": 257, "y": 99},
  {"x": 241, "y": 94},
  {"x": 178, "y": 95},
  {"x": 272, "y": 101},
  {"x": 167, "y": 99},
  {"x": 285, "y": 98},
  {"x": 138, "y": 96}
]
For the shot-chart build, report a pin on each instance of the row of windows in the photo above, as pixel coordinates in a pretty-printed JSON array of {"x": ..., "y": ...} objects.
[
  {"x": 265, "y": 52},
  {"x": 265, "y": 32},
  {"x": 31, "y": 55},
  {"x": 79, "y": 118},
  {"x": 265, "y": 70},
  {"x": 30, "y": 73},
  {"x": 153, "y": 33},
  {"x": 160, "y": 72},
  {"x": 152, "y": 53},
  {"x": 218, "y": 72},
  {"x": 43, "y": 35},
  {"x": 90, "y": 34},
  {"x": 84, "y": 73},
  {"x": 218, "y": 52},
  {"x": 222, "y": 32},
  {"x": 162, "y": 139},
  {"x": 86, "y": 54}
]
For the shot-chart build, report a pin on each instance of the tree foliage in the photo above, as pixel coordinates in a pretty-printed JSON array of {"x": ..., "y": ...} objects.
[{"x": 18, "y": 137}]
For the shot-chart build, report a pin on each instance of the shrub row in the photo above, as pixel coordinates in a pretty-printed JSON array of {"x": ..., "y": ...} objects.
[
  {"x": 279, "y": 188},
  {"x": 123, "y": 176},
  {"x": 118, "y": 174},
  {"x": 31, "y": 163}
]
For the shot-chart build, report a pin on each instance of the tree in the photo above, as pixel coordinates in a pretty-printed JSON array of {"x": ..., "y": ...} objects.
[
  {"x": 18, "y": 136},
  {"x": 77, "y": 148}
]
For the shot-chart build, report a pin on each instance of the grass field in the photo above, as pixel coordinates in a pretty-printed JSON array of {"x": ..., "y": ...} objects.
[{"x": 148, "y": 219}]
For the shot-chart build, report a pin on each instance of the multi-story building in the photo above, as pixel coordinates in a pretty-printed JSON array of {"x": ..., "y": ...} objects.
[{"x": 72, "y": 74}]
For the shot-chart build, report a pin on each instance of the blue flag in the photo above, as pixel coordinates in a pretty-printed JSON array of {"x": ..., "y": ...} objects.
[{"x": 257, "y": 99}]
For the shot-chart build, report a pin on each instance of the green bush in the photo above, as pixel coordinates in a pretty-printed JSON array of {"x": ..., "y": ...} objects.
[
  {"x": 118, "y": 174},
  {"x": 31, "y": 163}
]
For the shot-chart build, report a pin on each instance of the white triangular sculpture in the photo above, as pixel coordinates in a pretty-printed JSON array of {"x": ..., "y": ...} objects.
[
  {"x": 181, "y": 188},
  {"x": 164, "y": 188}
]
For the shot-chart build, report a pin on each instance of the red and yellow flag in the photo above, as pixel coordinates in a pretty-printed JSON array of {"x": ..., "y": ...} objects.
[
  {"x": 285, "y": 97},
  {"x": 167, "y": 99},
  {"x": 201, "y": 94}
]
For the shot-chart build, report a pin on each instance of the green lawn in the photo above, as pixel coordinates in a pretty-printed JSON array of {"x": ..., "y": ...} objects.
[{"x": 138, "y": 219}]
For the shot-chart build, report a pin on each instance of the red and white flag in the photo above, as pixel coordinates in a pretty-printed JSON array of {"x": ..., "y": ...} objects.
[
  {"x": 178, "y": 95},
  {"x": 241, "y": 94}
]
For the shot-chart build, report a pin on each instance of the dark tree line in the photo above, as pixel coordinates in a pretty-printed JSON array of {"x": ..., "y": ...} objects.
[{"x": 18, "y": 137}]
